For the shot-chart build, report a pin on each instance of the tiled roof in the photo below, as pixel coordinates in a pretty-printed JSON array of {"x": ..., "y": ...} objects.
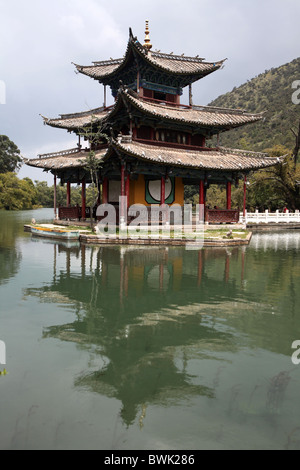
[
  {"x": 183, "y": 65},
  {"x": 204, "y": 116},
  {"x": 200, "y": 115},
  {"x": 78, "y": 120},
  {"x": 168, "y": 63},
  {"x": 216, "y": 159},
  {"x": 208, "y": 159},
  {"x": 72, "y": 158},
  {"x": 99, "y": 69}
]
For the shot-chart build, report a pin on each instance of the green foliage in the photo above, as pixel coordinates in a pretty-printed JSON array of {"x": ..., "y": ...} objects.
[
  {"x": 271, "y": 93},
  {"x": 276, "y": 187},
  {"x": 10, "y": 160},
  {"x": 16, "y": 194}
]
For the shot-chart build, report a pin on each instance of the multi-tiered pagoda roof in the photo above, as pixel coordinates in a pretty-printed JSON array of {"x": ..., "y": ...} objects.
[{"x": 148, "y": 131}]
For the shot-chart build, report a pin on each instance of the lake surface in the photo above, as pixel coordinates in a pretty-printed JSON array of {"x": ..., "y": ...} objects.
[{"x": 119, "y": 348}]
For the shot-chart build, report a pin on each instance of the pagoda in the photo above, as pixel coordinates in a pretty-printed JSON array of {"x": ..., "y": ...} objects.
[{"x": 150, "y": 145}]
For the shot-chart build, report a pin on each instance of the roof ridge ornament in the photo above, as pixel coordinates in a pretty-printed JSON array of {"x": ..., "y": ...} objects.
[{"x": 147, "y": 44}]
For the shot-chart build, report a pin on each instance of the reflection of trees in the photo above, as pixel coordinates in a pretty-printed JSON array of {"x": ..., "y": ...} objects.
[
  {"x": 10, "y": 255},
  {"x": 10, "y": 260}
]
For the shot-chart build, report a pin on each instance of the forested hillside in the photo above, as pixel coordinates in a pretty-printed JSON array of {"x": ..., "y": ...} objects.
[{"x": 270, "y": 92}]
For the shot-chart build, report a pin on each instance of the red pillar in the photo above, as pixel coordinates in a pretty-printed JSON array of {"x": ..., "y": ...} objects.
[
  {"x": 68, "y": 194},
  {"x": 228, "y": 195},
  {"x": 83, "y": 200},
  {"x": 201, "y": 193},
  {"x": 245, "y": 196},
  {"x": 127, "y": 188},
  {"x": 105, "y": 191},
  {"x": 202, "y": 201}
]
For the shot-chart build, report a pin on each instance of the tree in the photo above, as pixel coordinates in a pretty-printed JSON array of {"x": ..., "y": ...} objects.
[
  {"x": 275, "y": 187},
  {"x": 44, "y": 194},
  {"x": 10, "y": 160},
  {"x": 297, "y": 146},
  {"x": 16, "y": 194},
  {"x": 91, "y": 163}
]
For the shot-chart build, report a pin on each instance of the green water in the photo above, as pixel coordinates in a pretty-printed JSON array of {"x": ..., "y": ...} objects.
[{"x": 122, "y": 348}]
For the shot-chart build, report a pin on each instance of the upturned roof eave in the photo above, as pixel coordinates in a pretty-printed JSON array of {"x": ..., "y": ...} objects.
[
  {"x": 259, "y": 161},
  {"x": 133, "y": 48},
  {"x": 137, "y": 103},
  {"x": 221, "y": 159}
]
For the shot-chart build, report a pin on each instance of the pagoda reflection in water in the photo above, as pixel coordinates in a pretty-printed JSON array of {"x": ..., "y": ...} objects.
[{"x": 142, "y": 311}]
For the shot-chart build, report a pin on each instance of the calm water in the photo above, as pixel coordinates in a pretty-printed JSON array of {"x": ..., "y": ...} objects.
[{"x": 122, "y": 348}]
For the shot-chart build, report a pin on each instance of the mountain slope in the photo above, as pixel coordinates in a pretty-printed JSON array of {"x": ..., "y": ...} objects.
[{"x": 270, "y": 92}]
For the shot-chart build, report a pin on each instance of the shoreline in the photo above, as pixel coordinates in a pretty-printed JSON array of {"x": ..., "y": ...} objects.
[{"x": 220, "y": 240}]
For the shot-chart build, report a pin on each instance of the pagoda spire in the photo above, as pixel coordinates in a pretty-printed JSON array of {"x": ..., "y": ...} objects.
[{"x": 147, "y": 44}]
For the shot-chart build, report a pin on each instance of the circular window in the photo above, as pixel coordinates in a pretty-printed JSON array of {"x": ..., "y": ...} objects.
[{"x": 154, "y": 188}]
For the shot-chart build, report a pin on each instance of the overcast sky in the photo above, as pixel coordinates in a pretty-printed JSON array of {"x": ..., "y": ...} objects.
[{"x": 40, "y": 38}]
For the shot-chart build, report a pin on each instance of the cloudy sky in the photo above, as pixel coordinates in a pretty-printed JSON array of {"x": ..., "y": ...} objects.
[{"x": 40, "y": 38}]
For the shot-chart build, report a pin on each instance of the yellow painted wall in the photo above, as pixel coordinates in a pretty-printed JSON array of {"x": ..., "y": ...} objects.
[{"x": 138, "y": 191}]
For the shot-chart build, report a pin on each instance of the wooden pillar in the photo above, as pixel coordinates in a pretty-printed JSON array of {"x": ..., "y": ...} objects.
[
  {"x": 68, "y": 194},
  {"x": 190, "y": 95},
  {"x": 228, "y": 191},
  {"x": 55, "y": 196},
  {"x": 99, "y": 193},
  {"x": 127, "y": 189},
  {"x": 202, "y": 201},
  {"x": 201, "y": 193},
  {"x": 245, "y": 196},
  {"x": 83, "y": 200},
  {"x": 104, "y": 103},
  {"x": 105, "y": 191}
]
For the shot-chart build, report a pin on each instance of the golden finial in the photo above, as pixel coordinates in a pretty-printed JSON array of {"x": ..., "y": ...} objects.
[{"x": 147, "y": 44}]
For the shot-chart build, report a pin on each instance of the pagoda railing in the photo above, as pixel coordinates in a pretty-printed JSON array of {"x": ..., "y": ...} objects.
[
  {"x": 222, "y": 216},
  {"x": 62, "y": 153},
  {"x": 276, "y": 217},
  {"x": 73, "y": 213}
]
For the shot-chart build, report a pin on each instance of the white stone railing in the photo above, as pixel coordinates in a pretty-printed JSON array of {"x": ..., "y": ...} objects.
[{"x": 271, "y": 217}]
